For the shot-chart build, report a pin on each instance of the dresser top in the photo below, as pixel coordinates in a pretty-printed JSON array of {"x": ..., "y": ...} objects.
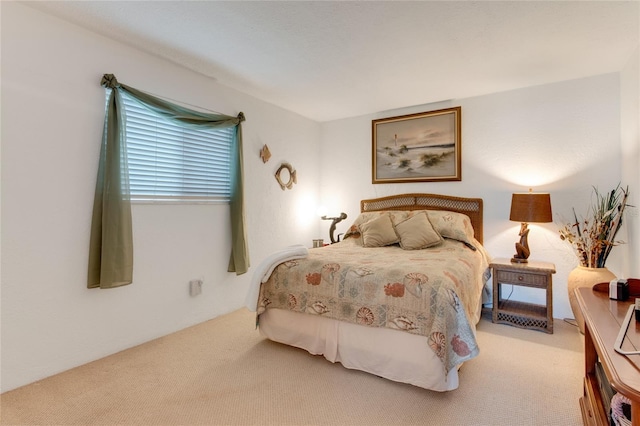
[{"x": 604, "y": 317}]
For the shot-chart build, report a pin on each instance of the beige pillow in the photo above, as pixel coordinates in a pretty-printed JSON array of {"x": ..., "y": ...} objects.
[
  {"x": 456, "y": 226},
  {"x": 417, "y": 233},
  {"x": 378, "y": 232},
  {"x": 354, "y": 230}
]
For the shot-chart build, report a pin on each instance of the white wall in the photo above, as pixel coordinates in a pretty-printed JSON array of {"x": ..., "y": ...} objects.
[
  {"x": 561, "y": 138},
  {"x": 52, "y": 117},
  {"x": 630, "y": 125}
]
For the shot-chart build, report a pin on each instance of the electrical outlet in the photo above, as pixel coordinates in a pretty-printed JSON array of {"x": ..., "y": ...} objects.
[{"x": 195, "y": 287}]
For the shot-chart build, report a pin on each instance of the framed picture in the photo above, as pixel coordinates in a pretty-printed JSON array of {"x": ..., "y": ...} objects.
[{"x": 423, "y": 147}]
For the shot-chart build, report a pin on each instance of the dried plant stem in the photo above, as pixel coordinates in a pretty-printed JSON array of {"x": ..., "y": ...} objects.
[{"x": 594, "y": 237}]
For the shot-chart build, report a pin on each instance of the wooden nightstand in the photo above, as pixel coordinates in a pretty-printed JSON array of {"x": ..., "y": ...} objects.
[{"x": 523, "y": 314}]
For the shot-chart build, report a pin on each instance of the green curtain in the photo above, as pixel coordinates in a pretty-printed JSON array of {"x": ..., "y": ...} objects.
[{"x": 111, "y": 247}]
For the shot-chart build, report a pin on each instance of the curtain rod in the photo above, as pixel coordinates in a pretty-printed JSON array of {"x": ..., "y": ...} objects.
[{"x": 109, "y": 81}]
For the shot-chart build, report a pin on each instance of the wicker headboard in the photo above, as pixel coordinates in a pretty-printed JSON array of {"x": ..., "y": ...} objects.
[{"x": 472, "y": 207}]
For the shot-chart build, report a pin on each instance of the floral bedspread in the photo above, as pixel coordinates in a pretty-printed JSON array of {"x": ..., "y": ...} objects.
[{"x": 434, "y": 292}]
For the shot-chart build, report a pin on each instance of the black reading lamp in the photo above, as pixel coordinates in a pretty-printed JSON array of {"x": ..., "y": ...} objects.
[
  {"x": 528, "y": 207},
  {"x": 332, "y": 229}
]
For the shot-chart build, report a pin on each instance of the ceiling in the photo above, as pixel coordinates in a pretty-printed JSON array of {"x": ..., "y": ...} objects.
[{"x": 329, "y": 60}]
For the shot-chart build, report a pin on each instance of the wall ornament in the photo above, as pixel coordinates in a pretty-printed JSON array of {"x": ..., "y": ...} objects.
[{"x": 283, "y": 180}]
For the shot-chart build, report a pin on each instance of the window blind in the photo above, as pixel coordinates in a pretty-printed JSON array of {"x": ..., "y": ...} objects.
[{"x": 172, "y": 162}]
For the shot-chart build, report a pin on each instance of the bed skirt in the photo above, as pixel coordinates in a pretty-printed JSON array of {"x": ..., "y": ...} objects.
[{"x": 392, "y": 354}]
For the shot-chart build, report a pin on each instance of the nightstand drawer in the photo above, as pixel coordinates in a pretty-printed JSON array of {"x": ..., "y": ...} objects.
[{"x": 519, "y": 278}]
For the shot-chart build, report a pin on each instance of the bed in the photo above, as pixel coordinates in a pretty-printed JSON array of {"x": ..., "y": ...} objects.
[{"x": 398, "y": 297}]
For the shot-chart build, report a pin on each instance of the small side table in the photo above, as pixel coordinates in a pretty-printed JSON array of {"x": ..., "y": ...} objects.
[{"x": 523, "y": 314}]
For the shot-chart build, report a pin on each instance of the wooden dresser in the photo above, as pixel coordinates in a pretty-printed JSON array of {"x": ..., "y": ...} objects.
[{"x": 603, "y": 318}]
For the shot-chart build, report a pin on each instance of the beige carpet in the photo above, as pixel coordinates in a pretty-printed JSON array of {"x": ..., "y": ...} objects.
[{"x": 222, "y": 372}]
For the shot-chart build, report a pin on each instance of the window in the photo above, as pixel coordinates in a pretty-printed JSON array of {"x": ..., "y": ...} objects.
[{"x": 169, "y": 161}]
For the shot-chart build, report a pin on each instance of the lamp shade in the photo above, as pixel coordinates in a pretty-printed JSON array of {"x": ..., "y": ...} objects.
[{"x": 530, "y": 207}]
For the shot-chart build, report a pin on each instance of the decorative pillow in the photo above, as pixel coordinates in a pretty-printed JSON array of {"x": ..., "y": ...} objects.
[
  {"x": 456, "y": 226},
  {"x": 417, "y": 233},
  {"x": 353, "y": 232},
  {"x": 354, "y": 229},
  {"x": 452, "y": 225},
  {"x": 378, "y": 232}
]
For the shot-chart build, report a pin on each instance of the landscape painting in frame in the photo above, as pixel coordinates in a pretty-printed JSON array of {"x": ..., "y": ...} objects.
[{"x": 423, "y": 147}]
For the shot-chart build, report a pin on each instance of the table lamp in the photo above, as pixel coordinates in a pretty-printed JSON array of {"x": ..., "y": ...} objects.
[{"x": 526, "y": 208}]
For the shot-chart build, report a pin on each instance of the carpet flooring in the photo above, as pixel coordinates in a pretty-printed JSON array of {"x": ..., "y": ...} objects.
[{"x": 222, "y": 372}]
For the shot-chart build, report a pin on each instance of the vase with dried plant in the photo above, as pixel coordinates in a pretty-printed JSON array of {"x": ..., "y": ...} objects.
[{"x": 592, "y": 238}]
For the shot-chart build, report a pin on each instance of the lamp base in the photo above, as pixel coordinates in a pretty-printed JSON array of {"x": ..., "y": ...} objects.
[
  {"x": 332, "y": 228},
  {"x": 522, "y": 247}
]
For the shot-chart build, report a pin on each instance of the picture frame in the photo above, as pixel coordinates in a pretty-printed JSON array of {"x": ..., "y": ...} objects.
[{"x": 421, "y": 147}]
